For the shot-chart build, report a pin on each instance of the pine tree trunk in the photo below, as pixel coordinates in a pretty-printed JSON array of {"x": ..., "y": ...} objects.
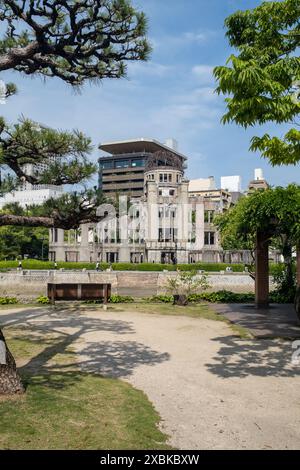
[{"x": 10, "y": 381}]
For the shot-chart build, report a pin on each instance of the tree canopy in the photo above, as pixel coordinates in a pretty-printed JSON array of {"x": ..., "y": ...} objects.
[
  {"x": 274, "y": 211},
  {"x": 21, "y": 241},
  {"x": 74, "y": 40},
  {"x": 262, "y": 79}
]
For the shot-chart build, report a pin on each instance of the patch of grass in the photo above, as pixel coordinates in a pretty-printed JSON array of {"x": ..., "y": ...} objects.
[{"x": 64, "y": 408}]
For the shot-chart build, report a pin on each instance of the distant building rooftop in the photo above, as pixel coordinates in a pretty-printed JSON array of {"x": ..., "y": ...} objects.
[
  {"x": 202, "y": 184},
  {"x": 141, "y": 145}
]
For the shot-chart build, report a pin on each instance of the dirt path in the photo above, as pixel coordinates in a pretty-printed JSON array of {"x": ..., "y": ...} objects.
[{"x": 212, "y": 390}]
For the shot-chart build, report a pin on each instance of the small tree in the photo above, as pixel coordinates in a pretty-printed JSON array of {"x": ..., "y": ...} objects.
[
  {"x": 275, "y": 212},
  {"x": 184, "y": 284}
]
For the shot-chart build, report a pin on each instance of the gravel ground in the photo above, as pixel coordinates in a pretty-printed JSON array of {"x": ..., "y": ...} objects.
[{"x": 212, "y": 390}]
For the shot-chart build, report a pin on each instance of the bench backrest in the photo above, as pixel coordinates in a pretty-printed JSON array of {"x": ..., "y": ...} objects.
[{"x": 79, "y": 291}]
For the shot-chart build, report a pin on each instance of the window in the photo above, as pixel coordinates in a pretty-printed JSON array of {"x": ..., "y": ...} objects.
[
  {"x": 167, "y": 234},
  {"x": 192, "y": 237},
  {"x": 170, "y": 178},
  {"x": 161, "y": 178},
  {"x": 107, "y": 165},
  {"x": 122, "y": 163},
  {"x": 140, "y": 162},
  {"x": 172, "y": 192},
  {"x": 165, "y": 178},
  {"x": 209, "y": 216},
  {"x": 71, "y": 256},
  {"x": 209, "y": 238},
  {"x": 54, "y": 235}
]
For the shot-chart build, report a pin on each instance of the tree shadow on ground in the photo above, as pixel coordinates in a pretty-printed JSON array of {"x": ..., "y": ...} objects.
[
  {"x": 261, "y": 358},
  {"x": 56, "y": 332},
  {"x": 118, "y": 358}
]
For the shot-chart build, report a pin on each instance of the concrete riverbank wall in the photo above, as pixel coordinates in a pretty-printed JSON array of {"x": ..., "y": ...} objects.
[{"x": 28, "y": 285}]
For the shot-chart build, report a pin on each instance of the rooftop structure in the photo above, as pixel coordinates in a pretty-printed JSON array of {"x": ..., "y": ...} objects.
[
  {"x": 122, "y": 171},
  {"x": 259, "y": 181},
  {"x": 202, "y": 184}
]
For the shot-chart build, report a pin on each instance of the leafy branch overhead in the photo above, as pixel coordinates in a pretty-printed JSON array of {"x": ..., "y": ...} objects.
[
  {"x": 27, "y": 143},
  {"x": 75, "y": 40},
  {"x": 66, "y": 212},
  {"x": 262, "y": 80}
]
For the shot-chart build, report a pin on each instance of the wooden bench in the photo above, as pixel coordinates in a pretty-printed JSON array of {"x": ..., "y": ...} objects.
[{"x": 79, "y": 291}]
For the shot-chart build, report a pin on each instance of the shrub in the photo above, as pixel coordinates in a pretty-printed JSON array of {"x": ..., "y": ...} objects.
[
  {"x": 222, "y": 296},
  {"x": 43, "y": 299},
  {"x": 285, "y": 284},
  {"x": 8, "y": 300},
  {"x": 185, "y": 283},
  {"x": 118, "y": 299},
  {"x": 206, "y": 267}
]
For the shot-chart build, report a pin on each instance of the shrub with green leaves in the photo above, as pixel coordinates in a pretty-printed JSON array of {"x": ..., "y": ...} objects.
[
  {"x": 222, "y": 296},
  {"x": 43, "y": 299},
  {"x": 119, "y": 299},
  {"x": 8, "y": 300}
]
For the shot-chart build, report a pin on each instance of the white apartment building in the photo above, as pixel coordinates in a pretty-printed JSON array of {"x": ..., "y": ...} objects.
[{"x": 32, "y": 194}]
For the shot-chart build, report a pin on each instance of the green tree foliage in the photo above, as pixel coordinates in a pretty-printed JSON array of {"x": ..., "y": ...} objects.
[
  {"x": 275, "y": 212},
  {"x": 262, "y": 79},
  {"x": 76, "y": 41},
  {"x": 17, "y": 242}
]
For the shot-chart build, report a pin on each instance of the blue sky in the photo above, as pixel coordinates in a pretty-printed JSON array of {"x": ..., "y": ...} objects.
[{"x": 170, "y": 96}]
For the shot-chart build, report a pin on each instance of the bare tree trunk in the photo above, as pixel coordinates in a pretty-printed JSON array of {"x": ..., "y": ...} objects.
[
  {"x": 10, "y": 381},
  {"x": 180, "y": 300}
]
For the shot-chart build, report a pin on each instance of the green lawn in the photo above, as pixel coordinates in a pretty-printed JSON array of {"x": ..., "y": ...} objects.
[{"x": 64, "y": 408}]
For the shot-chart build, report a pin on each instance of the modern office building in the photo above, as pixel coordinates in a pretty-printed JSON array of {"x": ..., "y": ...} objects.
[{"x": 121, "y": 171}]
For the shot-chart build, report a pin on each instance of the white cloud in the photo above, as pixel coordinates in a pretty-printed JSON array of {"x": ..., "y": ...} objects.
[
  {"x": 148, "y": 68},
  {"x": 197, "y": 36},
  {"x": 181, "y": 40},
  {"x": 204, "y": 73}
]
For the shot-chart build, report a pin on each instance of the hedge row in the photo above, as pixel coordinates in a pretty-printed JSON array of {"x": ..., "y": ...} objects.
[{"x": 207, "y": 267}]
